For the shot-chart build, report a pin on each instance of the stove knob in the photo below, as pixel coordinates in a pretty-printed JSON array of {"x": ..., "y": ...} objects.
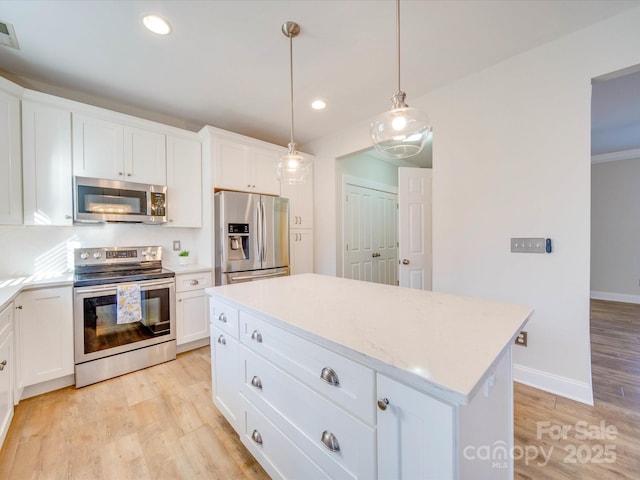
[
  {"x": 153, "y": 253},
  {"x": 97, "y": 255},
  {"x": 84, "y": 255}
]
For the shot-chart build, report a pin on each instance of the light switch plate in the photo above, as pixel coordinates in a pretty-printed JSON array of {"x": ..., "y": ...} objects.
[
  {"x": 528, "y": 245},
  {"x": 176, "y": 245}
]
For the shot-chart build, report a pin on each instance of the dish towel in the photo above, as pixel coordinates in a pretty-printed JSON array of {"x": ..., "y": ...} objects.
[{"x": 129, "y": 307}]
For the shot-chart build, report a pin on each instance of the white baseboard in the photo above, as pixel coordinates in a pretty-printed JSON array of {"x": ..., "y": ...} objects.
[
  {"x": 565, "y": 387},
  {"x": 615, "y": 297}
]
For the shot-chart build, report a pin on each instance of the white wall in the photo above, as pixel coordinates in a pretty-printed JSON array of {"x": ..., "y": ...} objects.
[
  {"x": 615, "y": 230},
  {"x": 511, "y": 157},
  {"x": 29, "y": 250}
]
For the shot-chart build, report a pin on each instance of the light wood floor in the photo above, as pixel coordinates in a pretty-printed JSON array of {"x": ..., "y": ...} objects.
[
  {"x": 160, "y": 423},
  {"x": 615, "y": 345},
  {"x": 157, "y": 423}
]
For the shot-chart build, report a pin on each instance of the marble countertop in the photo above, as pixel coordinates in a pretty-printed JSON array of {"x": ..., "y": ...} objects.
[
  {"x": 195, "y": 268},
  {"x": 440, "y": 343},
  {"x": 11, "y": 287}
]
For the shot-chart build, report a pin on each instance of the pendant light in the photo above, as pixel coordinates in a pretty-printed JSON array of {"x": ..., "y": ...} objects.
[
  {"x": 292, "y": 167},
  {"x": 402, "y": 131}
]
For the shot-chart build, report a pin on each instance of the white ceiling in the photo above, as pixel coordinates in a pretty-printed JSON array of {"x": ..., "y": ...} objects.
[{"x": 227, "y": 63}]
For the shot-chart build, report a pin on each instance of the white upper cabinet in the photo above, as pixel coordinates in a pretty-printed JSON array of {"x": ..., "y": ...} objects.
[
  {"x": 47, "y": 165},
  {"x": 300, "y": 203},
  {"x": 111, "y": 150},
  {"x": 184, "y": 182},
  {"x": 10, "y": 156},
  {"x": 245, "y": 167},
  {"x": 145, "y": 156}
]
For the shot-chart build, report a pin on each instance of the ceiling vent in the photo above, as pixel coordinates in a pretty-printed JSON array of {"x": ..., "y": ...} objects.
[{"x": 8, "y": 36}]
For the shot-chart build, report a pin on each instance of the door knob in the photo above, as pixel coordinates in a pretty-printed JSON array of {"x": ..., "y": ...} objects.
[{"x": 405, "y": 262}]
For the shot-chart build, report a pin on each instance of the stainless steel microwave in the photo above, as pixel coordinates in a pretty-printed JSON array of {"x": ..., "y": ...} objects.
[{"x": 101, "y": 200}]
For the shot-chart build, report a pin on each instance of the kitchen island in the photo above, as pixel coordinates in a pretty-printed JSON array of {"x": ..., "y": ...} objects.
[{"x": 324, "y": 377}]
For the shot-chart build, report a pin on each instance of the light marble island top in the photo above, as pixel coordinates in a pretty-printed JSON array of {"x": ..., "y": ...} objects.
[{"x": 442, "y": 344}]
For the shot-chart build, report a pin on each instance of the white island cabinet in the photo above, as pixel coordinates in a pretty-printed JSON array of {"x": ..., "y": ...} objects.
[{"x": 326, "y": 377}]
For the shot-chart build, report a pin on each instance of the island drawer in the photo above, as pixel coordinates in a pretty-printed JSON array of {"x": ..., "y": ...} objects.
[
  {"x": 193, "y": 281},
  {"x": 347, "y": 383},
  {"x": 334, "y": 439},
  {"x": 224, "y": 317},
  {"x": 279, "y": 456}
]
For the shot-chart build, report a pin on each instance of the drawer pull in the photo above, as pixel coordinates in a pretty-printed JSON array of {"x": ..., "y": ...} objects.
[
  {"x": 329, "y": 376},
  {"x": 194, "y": 282},
  {"x": 330, "y": 441},
  {"x": 256, "y": 336},
  {"x": 222, "y": 317},
  {"x": 222, "y": 340},
  {"x": 383, "y": 403},
  {"x": 3, "y": 364},
  {"x": 256, "y": 437},
  {"x": 255, "y": 381}
]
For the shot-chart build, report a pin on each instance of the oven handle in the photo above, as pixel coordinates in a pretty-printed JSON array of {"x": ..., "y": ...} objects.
[{"x": 111, "y": 286}]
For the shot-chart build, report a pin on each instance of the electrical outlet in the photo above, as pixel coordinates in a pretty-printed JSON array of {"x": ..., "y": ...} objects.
[
  {"x": 521, "y": 339},
  {"x": 176, "y": 246}
]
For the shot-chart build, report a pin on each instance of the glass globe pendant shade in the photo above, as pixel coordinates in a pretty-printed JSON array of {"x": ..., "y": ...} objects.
[
  {"x": 400, "y": 132},
  {"x": 292, "y": 167}
]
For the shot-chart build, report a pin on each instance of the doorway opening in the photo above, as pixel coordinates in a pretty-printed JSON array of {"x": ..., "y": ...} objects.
[{"x": 615, "y": 236}]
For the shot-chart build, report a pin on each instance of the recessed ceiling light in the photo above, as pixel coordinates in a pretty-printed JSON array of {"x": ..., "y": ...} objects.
[
  {"x": 157, "y": 24},
  {"x": 318, "y": 104}
]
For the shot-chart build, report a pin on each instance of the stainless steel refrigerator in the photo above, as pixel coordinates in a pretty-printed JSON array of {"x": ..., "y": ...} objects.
[{"x": 251, "y": 238}]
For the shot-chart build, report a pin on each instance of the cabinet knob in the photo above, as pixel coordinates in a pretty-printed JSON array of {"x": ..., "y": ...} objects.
[
  {"x": 222, "y": 340},
  {"x": 3, "y": 364},
  {"x": 222, "y": 317},
  {"x": 383, "y": 403},
  {"x": 330, "y": 441},
  {"x": 128, "y": 174},
  {"x": 194, "y": 282},
  {"x": 256, "y": 336},
  {"x": 120, "y": 173},
  {"x": 255, "y": 381},
  {"x": 179, "y": 300},
  {"x": 329, "y": 375},
  {"x": 256, "y": 437},
  {"x": 18, "y": 307}
]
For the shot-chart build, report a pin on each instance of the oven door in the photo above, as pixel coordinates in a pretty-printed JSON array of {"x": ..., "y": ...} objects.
[{"x": 97, "y": 331}]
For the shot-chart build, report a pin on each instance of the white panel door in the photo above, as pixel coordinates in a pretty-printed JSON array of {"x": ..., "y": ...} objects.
[
  {"x": 414, "y": 200},
  {"x": 370, "y": 229}
]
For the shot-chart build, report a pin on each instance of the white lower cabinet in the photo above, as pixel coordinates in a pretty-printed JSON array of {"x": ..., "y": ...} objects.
[
  {"x": 225, "y": 375},
  {"x": 45, "y": 324},
  {"x": 415, "y": 433},
  {"x": 278, "y": 454},
  {"x": 306, "y": 411},
  {"x": 341, "y": 444},
  {"x": 192, "y": 308},
  {"x": 6, "y": 370},
  {"x": 301, "y": 253}
]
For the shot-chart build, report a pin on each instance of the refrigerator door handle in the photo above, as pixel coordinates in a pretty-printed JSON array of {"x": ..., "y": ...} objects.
[
  {"x": 264, "y": 236},
  {"x": 259, "y": 232}
]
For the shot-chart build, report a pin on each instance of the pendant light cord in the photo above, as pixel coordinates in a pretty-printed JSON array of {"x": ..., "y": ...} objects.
[
  {"x": 398, "y": 39},
  {"x": 291, "y": 147}
]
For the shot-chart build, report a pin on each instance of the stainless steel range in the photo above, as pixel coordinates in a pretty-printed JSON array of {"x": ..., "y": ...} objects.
[{"x": 124, "y": 311}]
